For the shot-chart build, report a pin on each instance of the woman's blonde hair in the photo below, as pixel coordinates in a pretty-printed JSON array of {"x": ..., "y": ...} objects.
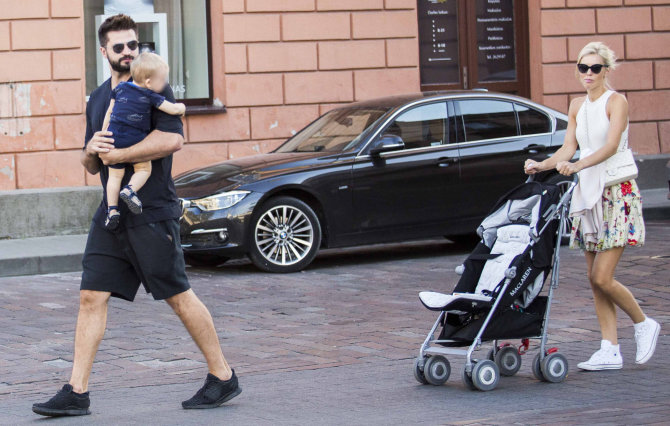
[
  {"x": 601, "y": 49},
  {"x": 146, "y": 65}
]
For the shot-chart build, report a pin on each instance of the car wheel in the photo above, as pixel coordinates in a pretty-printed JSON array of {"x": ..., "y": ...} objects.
[
  {"x": 198, "y": 260},
  {"x": 285, "y": 235},
  {"x": 563, "y": 183}
]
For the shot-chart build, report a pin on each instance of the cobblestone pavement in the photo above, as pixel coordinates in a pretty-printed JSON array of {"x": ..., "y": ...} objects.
[{"x": 331, "y": 345}]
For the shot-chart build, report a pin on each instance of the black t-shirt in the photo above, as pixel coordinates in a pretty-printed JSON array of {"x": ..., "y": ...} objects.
[{"x": 158, "y": 195}]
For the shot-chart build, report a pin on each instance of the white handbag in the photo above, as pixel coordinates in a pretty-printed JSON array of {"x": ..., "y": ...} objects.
[{"x": 621, "y": 166}]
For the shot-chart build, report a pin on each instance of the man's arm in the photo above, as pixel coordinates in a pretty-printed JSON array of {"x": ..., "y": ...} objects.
[{"x": 156, "y": 145}]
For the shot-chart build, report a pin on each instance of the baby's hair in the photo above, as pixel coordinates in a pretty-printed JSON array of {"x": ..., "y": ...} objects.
[
  {"x": 146, "y": 65},
  {"x": 600, "y": 49}
]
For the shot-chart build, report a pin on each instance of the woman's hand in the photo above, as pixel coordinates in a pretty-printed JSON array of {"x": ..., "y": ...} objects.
[
  {"x": 531, "y": 167},
  {"x": 567, "y": 168}
]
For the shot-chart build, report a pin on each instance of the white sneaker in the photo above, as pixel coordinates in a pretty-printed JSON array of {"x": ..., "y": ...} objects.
[
  {"x": 606, "y": 358},
  {"x": 646, "y": 336}
]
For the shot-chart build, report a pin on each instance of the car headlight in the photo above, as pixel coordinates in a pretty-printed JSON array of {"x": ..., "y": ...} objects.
[{"x": 220, "y": 201}]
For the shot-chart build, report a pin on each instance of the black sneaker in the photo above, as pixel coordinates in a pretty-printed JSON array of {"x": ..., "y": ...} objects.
[
  {"x": 214, "y": 393},
  {"x": 65, "y": 403}
]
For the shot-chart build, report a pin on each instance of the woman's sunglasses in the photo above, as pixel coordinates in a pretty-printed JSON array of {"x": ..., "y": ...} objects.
[
  {"x": 132, "y": 45},
  {"x": 583, "y": 68}
]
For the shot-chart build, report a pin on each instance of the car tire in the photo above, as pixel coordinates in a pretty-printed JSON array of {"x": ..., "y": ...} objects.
[
  {"x": 204, "y": 260},
  {"x": 563, "y": 182},
  {"x": 285, "y": 235}
]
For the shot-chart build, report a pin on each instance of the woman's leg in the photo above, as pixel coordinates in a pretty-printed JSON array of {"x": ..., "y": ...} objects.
[
  {"x": 602, "y": 278},
  {"x": 605, "y": 308}
]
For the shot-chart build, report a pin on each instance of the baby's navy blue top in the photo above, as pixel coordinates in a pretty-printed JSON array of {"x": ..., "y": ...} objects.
[
  {"x": 159, "y": 198},
  {"x": 131, "y": 116}
]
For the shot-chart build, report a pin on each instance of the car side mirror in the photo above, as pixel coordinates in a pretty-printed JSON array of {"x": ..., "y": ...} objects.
[{"x": 388, "y": 142}]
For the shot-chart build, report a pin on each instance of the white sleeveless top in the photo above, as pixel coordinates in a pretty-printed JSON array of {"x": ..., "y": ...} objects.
[{"x": 592, "y": 179}]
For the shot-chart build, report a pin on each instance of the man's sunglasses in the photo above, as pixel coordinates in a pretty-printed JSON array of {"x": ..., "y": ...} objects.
[
  {"x": 118, "y": 48},
  {"x": 583, "y": 68}
]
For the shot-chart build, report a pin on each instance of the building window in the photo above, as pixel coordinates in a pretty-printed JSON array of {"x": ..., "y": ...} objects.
[{"x": 178, "y": 30}]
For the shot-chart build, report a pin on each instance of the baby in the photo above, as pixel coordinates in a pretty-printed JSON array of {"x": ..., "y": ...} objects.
[{"x": 129, "y": 119}]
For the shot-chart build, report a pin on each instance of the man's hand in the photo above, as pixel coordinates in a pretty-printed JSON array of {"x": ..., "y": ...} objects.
[
  {"x": 115, "y": 156},
  {"x": 100, "y": 143}
]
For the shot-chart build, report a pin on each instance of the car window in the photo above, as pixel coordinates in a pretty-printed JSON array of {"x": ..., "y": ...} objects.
[
  {"x": 335, "y": 131},
  {"x": 532, "y": 121},
  {"x": 486, "y": 119},
  {"x": 561, "y": 124},
  {"x": 422, "y": 126}
]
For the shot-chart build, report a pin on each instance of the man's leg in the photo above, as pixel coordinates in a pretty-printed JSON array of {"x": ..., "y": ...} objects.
[
  {"x": 91, "y": 324},
  {"x": 198, "y": 321}
]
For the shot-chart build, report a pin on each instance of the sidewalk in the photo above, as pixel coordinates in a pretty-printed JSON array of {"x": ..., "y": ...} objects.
[
  {"x": 47, "y": 255},
  {"x": 331, "y": 345}
]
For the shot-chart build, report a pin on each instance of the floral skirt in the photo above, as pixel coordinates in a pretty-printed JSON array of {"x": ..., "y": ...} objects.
[{"x": 623, "y": 224}]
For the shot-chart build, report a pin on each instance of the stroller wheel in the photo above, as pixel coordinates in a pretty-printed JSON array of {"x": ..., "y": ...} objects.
[
  {"x": 418, "y": 370},
  {"x": 508, "y": 360},
  {"x": 537, "y": 369},
  {"x": 555, "y": 367},
  {"x": 467, "y": 380},
  {"x": 485, "y": 375},
  {"x": 436, "y": 370}
]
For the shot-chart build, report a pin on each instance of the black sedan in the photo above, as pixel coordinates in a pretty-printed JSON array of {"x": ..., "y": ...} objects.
[{"x": 392, "y": 169}]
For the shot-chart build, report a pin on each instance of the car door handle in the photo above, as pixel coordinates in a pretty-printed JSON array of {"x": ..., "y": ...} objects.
[
  {"x": 534, "y": 148},
  {"x": 446, "y": 161}
]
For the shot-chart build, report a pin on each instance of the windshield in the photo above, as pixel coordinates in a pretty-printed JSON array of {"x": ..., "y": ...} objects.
[{"x": 335, "y": 131}]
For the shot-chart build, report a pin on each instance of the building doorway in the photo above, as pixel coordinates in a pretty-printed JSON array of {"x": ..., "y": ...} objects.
[{"x": 467, "y": 44}]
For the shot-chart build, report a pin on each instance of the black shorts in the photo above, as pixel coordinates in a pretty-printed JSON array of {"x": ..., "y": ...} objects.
[{"x": 148, "y": 254}]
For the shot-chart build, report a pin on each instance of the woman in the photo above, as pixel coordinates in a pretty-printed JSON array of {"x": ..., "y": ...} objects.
[{"x": 605, "y": 219}]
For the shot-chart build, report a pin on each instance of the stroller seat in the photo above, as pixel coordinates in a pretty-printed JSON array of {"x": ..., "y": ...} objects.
[
  {"x": 455, "y": 302},
  {"x": 511, "y": 241}
]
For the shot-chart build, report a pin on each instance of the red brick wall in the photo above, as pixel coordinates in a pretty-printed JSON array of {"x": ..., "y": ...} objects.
[
  {"x": 41, "y": 93},
  {"x": 279, "y": 64},
  {"x": 639, "y": 33}
]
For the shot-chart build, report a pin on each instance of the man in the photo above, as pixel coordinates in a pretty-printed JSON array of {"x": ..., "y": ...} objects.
[{"x": 144, "y": 249}]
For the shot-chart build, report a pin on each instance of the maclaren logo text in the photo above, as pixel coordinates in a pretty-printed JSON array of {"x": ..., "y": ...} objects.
[{"x": 523, "y": 279}]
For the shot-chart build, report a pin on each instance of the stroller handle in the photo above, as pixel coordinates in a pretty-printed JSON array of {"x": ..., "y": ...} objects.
[{"x": 574, "y": 177}]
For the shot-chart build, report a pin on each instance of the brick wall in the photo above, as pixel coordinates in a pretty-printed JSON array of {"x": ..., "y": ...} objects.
[
  {"x": 288, "y": 61},
  {"x": 279, "y": 64},
  {"x": 41, "y": 93},
  {"x": 639, "y": 32}
]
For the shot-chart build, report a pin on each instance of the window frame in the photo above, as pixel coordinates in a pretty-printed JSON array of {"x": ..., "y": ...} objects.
[{"x": 203, "y": 105}]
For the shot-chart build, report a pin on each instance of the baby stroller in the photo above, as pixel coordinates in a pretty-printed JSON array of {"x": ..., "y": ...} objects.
[{"x": 497, "y": 296}]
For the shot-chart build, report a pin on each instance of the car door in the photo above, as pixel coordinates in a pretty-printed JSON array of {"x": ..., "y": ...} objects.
[
  {"x": 405, "y": 193},
  {"x": 492, "y": 151}
]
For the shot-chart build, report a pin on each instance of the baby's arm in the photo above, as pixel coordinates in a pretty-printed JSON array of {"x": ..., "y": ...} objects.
[
  {"x": 172, "y": 108},
  {"x": 108, "y": 115}
]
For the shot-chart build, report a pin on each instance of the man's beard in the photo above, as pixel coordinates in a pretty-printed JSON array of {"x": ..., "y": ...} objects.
[{"x": 119, "y": 67}]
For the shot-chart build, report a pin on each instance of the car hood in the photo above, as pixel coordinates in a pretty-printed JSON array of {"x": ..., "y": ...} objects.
[{"x": 235, "y": 173}]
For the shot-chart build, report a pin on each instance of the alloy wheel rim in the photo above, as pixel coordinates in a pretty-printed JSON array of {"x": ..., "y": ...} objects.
[{"x": 284, "y": 235}]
